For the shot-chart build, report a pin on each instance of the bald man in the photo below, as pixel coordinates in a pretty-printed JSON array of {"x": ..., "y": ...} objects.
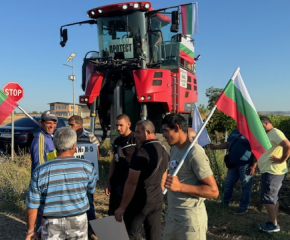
[{"x": 191, "y": 134}]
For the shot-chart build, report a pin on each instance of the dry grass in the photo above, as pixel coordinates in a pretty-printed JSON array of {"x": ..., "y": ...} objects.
[{"x": 8, "y": 119}]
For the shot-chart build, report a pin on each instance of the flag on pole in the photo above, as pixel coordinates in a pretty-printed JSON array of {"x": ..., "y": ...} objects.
[
  {"x": 189, "y": 18},
  {"x": 197, "y": 124},
  {"x": 7, "y": 106},
  {"x": 186, "y": 50},
  {"x": 236, "y": 102}
]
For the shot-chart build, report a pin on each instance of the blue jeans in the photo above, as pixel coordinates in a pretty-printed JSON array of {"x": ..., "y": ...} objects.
[{"x": 233, "y": 175}]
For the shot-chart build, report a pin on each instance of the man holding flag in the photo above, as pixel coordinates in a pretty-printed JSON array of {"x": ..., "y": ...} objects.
[
  {"x": 187, "y": 216},
  {"x": 243, "y": 165},
  {"x": 271, "y": 149}
]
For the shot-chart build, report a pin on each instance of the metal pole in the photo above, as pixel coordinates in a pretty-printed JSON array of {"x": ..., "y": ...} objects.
[
  {"x": 22, "y": 110},
  {"x": 12, "y": 135},
  {"x": 73, "y": 82}
]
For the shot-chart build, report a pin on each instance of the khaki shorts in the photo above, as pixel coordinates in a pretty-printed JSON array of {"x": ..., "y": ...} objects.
[{"x": 174, "y": 230}]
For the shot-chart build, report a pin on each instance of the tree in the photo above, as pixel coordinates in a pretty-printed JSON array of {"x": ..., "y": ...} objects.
[
  {"x": 202, "y": 110},
  {"x": 213, "y": 95},
  {"x": 219, "y": 121}
]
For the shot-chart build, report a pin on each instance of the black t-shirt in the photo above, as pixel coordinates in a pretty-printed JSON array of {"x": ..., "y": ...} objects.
[
  {"x": 152, "y": 160},
  {"x": 124, "y": 147}
]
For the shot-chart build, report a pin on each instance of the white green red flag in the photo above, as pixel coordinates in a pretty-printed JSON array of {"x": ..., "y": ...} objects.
[
  {"x": 236, "y": 102},
  {"x": 7, "y": 106},
  {"x": 186, "y": 50},
  {"x": 189, "y": 18}
]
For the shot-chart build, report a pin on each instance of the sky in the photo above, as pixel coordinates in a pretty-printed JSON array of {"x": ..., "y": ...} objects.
[{"x": 251, "y": 34}]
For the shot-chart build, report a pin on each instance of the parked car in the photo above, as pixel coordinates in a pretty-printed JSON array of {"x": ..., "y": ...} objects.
[{"x": 24, "y": 131}]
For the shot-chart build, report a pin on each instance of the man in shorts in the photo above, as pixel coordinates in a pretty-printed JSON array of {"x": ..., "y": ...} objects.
[
  {"x": 273, "y": 166},
  {"x": 59, "y": 189}
]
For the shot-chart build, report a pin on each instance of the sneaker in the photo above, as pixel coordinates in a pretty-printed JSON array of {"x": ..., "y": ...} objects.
[
  {"x": 241, "y": 211},
  {"x": 269, "y": 227}
]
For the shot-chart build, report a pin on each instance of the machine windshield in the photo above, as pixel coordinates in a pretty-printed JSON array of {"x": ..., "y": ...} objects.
[
  {"x": 163, "y": 47},
  {"x": 123, "y": 36}
]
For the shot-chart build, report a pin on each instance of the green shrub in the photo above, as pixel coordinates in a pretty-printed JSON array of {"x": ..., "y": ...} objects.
[
  {"x": 106, "y": 149},
  {"x": 282, "y": 123},
  {"x": 14, "y": 182}
]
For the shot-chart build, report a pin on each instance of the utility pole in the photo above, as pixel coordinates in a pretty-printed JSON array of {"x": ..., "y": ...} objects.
[{"x": 72, "y": 77}]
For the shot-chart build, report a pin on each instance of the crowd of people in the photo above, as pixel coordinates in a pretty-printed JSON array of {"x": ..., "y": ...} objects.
[{"x": 60, "y": 199}]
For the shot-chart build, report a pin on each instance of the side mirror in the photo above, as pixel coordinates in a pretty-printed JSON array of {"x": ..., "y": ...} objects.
[
  {"x": 177, "y": 37},
  {"x": 63, "y": 36},
  {"x": 174, "y": 21}
]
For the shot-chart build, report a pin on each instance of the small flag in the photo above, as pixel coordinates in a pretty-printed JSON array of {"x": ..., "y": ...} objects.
[
  {"x": 189, "y": 18},
  {"x": 7, "y": 106},
  {"x": 236, "y": 102},
  {"x": 196, "y": 125},
  {"x": 186, "y": 51}
]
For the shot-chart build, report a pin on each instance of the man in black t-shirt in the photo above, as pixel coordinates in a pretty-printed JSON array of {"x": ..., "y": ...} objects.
[
  {"x": 142, "y": 198},
  {"x": 124, "y": 147}
]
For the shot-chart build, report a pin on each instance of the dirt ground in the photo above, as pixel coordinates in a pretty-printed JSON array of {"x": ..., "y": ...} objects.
[{"x": 12, "y": 227}]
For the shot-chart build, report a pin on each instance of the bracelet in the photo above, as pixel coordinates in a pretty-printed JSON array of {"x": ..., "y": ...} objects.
[{"x": 28, "y": 233}]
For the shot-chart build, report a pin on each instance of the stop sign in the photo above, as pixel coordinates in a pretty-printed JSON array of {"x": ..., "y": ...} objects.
[{"x": 14, "y": 91}]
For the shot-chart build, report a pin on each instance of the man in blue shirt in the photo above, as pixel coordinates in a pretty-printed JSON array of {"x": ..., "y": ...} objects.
[
  {"x": 243, "y": 167},
  {"x": 42, "y": 148},
  {"x": 59, "y": 188}
]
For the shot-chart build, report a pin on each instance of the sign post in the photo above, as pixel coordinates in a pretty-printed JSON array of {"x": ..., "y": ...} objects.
[{"x": 15, "y": 92}]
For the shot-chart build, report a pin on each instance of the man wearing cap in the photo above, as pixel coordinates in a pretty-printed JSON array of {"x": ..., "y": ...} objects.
[{"x": 42, "y": 148}]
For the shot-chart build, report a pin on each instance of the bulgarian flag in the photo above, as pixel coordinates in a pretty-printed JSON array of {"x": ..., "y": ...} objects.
[
  {"x": 186, "y": 50},
  {"x": 189, "y": 18},
  {"x": 7, "y": 106},
  {"x": 236, "y": 102}
]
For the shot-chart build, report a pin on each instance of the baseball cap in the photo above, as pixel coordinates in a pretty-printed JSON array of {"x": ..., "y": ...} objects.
[{"x": 48, "y": 115}]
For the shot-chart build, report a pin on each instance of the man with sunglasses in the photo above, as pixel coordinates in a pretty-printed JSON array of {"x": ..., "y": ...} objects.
[{"x": 85, "y": 137}]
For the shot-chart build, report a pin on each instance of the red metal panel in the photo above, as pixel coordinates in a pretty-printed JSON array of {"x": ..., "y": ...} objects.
[
  {"x": 144, "y": 79},
  {"x": 93, "y": 88}
]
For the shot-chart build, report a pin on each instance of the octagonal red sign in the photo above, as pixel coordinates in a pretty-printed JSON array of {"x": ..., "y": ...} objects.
[{"x": 14, "y": 91}]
